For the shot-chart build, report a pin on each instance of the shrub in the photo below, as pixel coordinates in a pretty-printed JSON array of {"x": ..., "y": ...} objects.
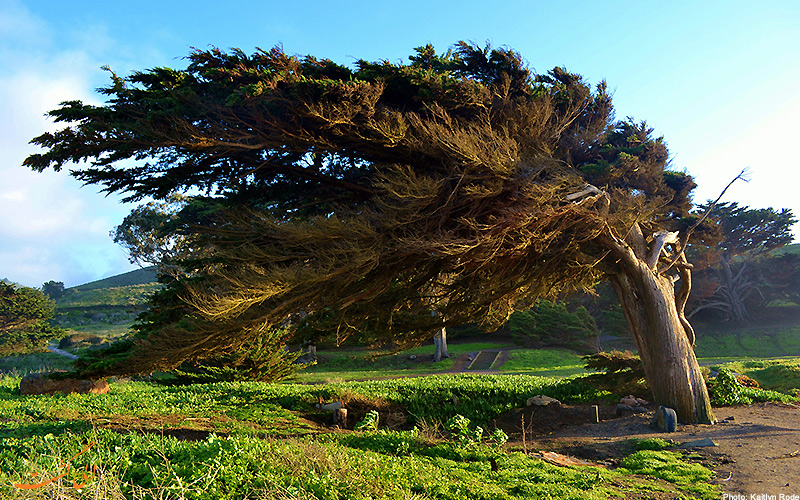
[
  {"x": 725, "y": 390},
  {"x": 622, "y": 372}
]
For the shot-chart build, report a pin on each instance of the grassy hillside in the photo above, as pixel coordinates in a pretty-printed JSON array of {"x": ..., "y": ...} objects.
[
  {"x": 107, "y": 307},
  {"x": 131, "y": 295},
  {"x": 137, "y": 277}
]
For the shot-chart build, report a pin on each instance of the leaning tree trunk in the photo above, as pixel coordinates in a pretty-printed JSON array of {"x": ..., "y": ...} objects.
[
  {"x": 440, "y": 341},
  {"x": 663, "y": 335}
]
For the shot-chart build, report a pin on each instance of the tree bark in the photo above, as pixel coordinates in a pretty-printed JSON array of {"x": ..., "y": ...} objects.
[
  {"x": 440, "y": 341},
  {"x": 663, "y": 336}
]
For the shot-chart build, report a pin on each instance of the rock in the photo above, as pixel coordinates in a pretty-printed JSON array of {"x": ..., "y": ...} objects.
[
  {"x": 40, "y": 383},
  {"x": 666, "y": 419},
  {"x": 623, "y": 409},
  {"x": 540, "y": 400},
  {"x": 633, "y": 401},
  {"x": 700, "y": 443}
]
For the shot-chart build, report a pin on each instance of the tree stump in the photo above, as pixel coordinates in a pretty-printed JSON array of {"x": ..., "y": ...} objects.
[{"x": 340, "y": 417}]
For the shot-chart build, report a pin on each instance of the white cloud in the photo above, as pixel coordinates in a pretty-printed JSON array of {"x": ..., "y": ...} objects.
[{"x": 50, "y": 227}]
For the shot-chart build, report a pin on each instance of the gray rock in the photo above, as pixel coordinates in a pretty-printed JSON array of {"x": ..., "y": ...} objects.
[
  {"x": 700, "y": 443},
  {"x": 540, "y": 400},
  {"x": 666, "y": 419}
]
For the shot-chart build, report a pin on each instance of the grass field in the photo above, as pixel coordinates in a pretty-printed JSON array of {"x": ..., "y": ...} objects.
[{"x": 255, "y": 440}]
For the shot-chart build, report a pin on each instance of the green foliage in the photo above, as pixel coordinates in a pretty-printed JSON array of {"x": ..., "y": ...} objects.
[
  {"x": 353, "y": 196},
  {"x": 459, "y": 427},
  {"x": 369, "y": 423},
  {"x": 225, "y": 459},
  {"x": 725, "y": 390},
  {"x": 149, "y": 234},
  {"x": 53, "y": 289},
  {"x": 551, "y": 322},
  {"x": 267, "y": 360},
  {"x": 668, "y": 465},
  {"x": 622, "y": 372},
  {"x": 25, "y": 315},
  {"x": 467, "y": 436},
  {"x": 655, "y": 444},
  {"x": 739, "y": 270}
]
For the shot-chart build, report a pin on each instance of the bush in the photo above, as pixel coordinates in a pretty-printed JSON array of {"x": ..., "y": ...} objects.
[
  {"x": 267, "y": 361},
  {"x": 725, "y": 390},
  {"x": 622, "y": 372}
]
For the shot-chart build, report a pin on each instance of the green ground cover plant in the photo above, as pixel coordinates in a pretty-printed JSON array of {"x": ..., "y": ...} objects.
[{"x": 269, "y": 451}]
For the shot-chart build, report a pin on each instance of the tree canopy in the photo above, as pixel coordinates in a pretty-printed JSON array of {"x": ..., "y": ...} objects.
[
  {"x": 25, "y": 315},
  {"x": 389, "y": 198},
  {"x": 734, "y": 274}
]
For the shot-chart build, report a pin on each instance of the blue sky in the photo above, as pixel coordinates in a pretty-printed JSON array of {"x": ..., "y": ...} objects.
[{"x": 718, "y": 79}]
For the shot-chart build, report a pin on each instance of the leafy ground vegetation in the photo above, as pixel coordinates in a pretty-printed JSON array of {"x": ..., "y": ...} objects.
[{"x": 258, "y": 440}]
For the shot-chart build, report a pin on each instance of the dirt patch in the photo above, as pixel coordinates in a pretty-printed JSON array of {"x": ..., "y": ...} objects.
[
  {"x": 757, "y": 452},
  {"x": 390, "y": 416}
]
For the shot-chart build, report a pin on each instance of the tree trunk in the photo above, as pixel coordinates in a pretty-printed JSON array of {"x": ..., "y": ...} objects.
[
  {"x": 738, "y": 311},
  {"x": 440, "y": 341},
  {"x": 663, "y": 336}
]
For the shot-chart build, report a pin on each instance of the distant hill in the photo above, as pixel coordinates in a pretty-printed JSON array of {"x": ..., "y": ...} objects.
[
  {"x": 794, "y": 248},
  {"x": 142, "y": 276},
  {"x": 103, "y": 305}
]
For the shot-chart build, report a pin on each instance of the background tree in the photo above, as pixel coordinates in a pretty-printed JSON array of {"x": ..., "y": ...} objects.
[
  {"x": 736, "y": 267},
  {"x": 25, "y": 315},
  {"x": 552, "y": 323},
  {"x": 155, "y": 234},
  {"x": 53, "y": 289},
  {"x": 366, "y": 199}
]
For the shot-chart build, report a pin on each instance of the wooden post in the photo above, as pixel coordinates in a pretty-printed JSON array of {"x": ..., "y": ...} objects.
[
  {"x": 340, "y": 417},
  {"x": 524, "y": 444},
  {"x": 596, "y": 414}
]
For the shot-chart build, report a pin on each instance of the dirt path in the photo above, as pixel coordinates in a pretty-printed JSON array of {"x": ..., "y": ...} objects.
[
  {"x": 757, "y": 452},
  {"x": 55, "y": 350}
]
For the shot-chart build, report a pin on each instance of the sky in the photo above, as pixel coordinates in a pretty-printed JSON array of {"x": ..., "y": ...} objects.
[{"x": 719, "y": 80}]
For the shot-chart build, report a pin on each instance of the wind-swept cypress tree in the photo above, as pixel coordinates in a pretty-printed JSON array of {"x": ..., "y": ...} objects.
[{"x": 396, "y": 198}]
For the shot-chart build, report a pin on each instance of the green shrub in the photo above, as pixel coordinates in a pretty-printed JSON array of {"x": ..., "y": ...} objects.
[
  {"x": 622, "y": 373},
  {"x": 370, "y": 422},
  {"x": 725, "y": 390}
]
